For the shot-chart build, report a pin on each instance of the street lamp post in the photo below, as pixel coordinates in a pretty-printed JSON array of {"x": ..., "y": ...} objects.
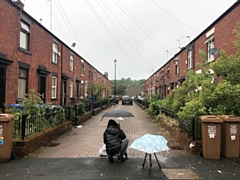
[{"x": 115, "y": 64}]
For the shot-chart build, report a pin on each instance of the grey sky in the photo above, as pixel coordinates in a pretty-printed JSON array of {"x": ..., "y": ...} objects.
[{"x": 140, "y": 34}]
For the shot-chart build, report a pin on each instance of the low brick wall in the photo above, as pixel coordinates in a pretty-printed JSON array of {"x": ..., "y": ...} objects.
[
  {"x": 97, "y": 110},
  {"x": 105, "y": 107},
  {"x": 23, "y": 148},
  {"x": 181, "y": 138},
  {"x": 83, "y": 118}
]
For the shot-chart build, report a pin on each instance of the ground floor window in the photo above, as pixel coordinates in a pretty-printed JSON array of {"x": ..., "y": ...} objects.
[
  {"x": 54, "y": 87},
  {"x": 22, "y": 82}
]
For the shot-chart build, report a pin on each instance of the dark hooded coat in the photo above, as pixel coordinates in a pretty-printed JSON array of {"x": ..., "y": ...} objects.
[{"x": 113, "y": 137}]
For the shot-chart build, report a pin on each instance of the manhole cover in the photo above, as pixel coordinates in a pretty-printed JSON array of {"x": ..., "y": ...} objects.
[{"x": 180, "y": 174}]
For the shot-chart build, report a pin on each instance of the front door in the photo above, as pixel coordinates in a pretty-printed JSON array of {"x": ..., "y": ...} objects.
[
  {"x": 42, "y": 88},
  {"x": 64, "y": 87}
]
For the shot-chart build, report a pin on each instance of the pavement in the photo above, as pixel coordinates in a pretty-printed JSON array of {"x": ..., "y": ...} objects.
[{"x": 75, "y": 155}]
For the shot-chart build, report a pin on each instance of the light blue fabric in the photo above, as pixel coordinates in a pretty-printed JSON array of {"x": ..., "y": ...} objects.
[{"x": 150, "y": 144}]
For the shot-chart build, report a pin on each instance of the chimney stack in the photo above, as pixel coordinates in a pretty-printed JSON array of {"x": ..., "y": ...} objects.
[
  {"x": 106, "y": 74},
  {"x": 19, "y": 3}
]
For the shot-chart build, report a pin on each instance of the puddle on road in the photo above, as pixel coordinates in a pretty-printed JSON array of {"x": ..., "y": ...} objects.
[
  {"x": 161, "y": 158},
  {"x": 52, "y": 144},
  {"x": 180, "y": 174}
]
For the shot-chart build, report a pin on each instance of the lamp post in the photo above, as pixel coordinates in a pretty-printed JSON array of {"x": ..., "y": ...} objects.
[{"x": 115, "y": 64}]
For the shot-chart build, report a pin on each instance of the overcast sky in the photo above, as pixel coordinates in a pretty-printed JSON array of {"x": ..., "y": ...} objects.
[{"x": 140, "y": 34}]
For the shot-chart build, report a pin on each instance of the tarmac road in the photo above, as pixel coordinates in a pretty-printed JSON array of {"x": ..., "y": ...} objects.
[{"x": 75, "y": 155}]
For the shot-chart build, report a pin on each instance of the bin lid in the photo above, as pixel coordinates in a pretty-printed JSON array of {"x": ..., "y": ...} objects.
[
  {"x": 211, "y": 118},
  {"x": 5, "y": 117},
  {"x": 230, "y": 118}
]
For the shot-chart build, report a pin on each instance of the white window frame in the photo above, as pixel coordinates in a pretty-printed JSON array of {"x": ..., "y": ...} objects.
[
  {"x": 22, "y": 82},
  {"x": 89, "y": 73},
  {"x": 82, "y": 68},
  {"x": 210, "y": 45},
  {"x": 55, "y": 53},
  {"x": 189, "y": 59},
  {"x": 54, "y": 87},
  {"x": 176, "y": 67},
  {"x": 71, "y": 89},
  {"x": 94, "y": 76},
  {"x": 24, "y": 35},
  {"x": 71, "y": 63}
]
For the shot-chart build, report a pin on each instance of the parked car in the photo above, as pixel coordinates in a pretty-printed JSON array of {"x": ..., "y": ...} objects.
[
  {"x": 114, "y": 99},
  {"x": 127, "y": 100}
]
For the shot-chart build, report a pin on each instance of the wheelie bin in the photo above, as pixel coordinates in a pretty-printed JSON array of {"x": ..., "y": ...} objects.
[
  {"x": 211, "y": 136},
  {"x": 230, "y": 136},
  {"x": 6, "y": 127}
]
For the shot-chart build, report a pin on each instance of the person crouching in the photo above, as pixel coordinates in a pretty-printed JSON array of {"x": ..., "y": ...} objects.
[{"x": 115, "y": 141}]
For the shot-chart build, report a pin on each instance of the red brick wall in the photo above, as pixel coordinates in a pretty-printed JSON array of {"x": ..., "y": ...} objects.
[
  {"x": 8, "y": 37},
  {"x": 41, "y": 43}
]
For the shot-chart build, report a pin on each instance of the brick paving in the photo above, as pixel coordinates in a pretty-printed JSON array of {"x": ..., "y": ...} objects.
[{"x": 86, "y": 141}]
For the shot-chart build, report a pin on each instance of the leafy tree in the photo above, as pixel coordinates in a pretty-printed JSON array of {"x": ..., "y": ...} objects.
[
  {"x": 95, "y": 89},
  {"x": 121, "y": 89}
]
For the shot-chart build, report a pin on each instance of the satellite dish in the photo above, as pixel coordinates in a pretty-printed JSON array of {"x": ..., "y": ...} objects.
[
  {"x": 214, "y": 51},
  {"x": 73, "y": 44}
]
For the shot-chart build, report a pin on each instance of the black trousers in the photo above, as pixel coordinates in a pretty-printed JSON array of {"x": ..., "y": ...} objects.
[{"x": 124, "y": 146}]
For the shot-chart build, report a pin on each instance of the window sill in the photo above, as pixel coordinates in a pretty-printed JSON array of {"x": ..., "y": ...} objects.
[
  {"x": 24, "y": 50},
  {"x": 54, "y": 99},
  {"x": 210, "y": 60}
]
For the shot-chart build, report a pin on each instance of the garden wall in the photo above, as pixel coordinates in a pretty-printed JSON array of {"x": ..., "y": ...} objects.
[
  {"x": 181, "y": 138},
  {"x": 22, "y": 148},
  {"x": 25, "y": 147}
]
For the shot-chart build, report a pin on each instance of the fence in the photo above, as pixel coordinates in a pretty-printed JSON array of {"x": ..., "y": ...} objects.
[
  {"x": 192, "y": 127},
  {"x": 144, "y": 104},
  {"x": 27, "y": 125}
]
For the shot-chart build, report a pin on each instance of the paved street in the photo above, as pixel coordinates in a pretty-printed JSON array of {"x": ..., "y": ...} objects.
[
  {"x": 86, "y": 141},
  {"x": 75, "y": 155}
]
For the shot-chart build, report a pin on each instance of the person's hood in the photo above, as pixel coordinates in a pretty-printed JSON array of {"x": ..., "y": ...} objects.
[
  {"x": 113, "y": 123},
  {"x": 112, "y": 127}
]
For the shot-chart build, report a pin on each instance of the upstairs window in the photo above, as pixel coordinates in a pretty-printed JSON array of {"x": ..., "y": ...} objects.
[
  {"x": 168, "y": 72},
  {"x": 55, "y": 53},
  {"x": 189, "y": 59},
  {"x": 24, "y": 36},
  {"x": 89, "y": 73},
  {"x": 82, "y": 68},
  {"x": 94, "y": 76},
  {"x": 71, "y": 62},
  {"x": 176, "y": 67},
  {"x": 210, "y": 45}
]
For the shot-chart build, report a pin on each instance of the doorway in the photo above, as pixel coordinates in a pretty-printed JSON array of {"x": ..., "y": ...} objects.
[
  {"x": 64, "y": 88},
  {"x": 42, "y": 88}
]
